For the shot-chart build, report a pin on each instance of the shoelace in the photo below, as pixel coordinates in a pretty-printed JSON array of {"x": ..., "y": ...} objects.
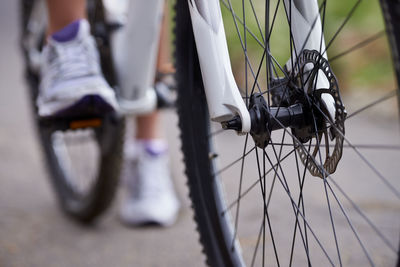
[
  {"x": 145, "y": 186},
  {"x": 72, "y": 60}
]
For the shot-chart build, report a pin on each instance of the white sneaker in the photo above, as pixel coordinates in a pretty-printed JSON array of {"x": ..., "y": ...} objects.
[
  {"x": 71, "y": 76},
  {"x": 150, "y": 196}
]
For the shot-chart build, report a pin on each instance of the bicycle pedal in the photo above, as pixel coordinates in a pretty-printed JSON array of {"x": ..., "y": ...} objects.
[
  {"x": 85, "y": 123},
  {"x": 165, "y": 88},
  {"x": 81, "y": 122}
]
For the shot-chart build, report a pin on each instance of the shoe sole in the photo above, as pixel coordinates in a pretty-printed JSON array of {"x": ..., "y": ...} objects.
[
  {"x": 88, "y": 106},
  {"x": 148, "y": 222}
]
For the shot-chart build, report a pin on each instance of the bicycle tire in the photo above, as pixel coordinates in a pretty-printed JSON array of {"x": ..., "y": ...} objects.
[
  {"x": 105, "y": 142},
  {"x": 217, "y": 233}
]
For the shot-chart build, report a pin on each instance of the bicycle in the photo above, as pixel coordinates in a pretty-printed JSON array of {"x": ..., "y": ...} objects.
[{"x": 286, "y": 119}]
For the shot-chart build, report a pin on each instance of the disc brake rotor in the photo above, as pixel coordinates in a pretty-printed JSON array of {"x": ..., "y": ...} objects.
[{"x": 328, "y": 110}]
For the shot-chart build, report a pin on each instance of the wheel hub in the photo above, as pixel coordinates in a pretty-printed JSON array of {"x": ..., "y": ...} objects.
[{"x": 315, "y": 114}]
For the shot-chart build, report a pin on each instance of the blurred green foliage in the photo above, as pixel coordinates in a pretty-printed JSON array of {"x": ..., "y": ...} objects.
[{"x": 369, "y": 67}]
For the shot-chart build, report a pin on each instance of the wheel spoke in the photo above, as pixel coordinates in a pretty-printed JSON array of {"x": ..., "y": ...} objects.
[
  {"x": 353, "y": 9},
  {"x": 233, "y": 163},
  {"x": 274, "y": 179},
  {"x": 351, "y": 226},
  {"x": 237, "y": 19},
  {"x": 287, "y": 189},
  {"x": 239, "y": 191},
  {"x": 266, "y": 214},
  {"x": 256, "y": 18},
  {"x": 374, "y": 103},
  {"x": 362, "y": 157},
  {"x": 338, "y": 202},
  {"x": 362, "y": 214},
  {"x": 300, "y": 203},
  {"x": 301, "y": 214},
  {"x": 248, "y": 190},
  {"x": 316, "y": 132},
  {"x": 358, "y": 46},
  {"x": 246, "y": 61},
  {"x": 234, "y": 16},
  {"x": 326, "y": 191},
  {"x": 359, "y": 146},
  {"x": 253, "y": 260}
]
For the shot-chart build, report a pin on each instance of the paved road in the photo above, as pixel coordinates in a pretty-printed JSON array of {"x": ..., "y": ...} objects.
[{"x": 33, "y": 232}]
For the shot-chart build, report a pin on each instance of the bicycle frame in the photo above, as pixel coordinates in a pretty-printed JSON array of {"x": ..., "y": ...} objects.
[{"x": 135, "y": 48}]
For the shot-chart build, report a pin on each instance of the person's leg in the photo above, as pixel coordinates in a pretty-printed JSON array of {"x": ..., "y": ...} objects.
[
  {"x": 63, "y": 12},
  {"x": 147, "y": 125},
  {"x": 151, "y": 196}
]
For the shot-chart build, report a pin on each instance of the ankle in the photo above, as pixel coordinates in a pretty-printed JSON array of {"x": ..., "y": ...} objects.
[
  {"x": 67, "y": 33},
  {"x": 153, "y": 147}
]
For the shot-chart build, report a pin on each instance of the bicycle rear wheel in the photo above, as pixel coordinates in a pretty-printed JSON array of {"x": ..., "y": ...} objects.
[
  {"x": 260, "y": 207},
  {"x": 83, "y": 156}
]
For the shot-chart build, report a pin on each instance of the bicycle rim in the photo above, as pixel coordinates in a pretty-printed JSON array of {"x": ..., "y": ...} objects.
[{"x": 262, "y": 207}]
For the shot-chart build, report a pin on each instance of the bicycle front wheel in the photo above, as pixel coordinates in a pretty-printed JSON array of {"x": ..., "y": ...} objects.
[{"x": 326, "y": 197}]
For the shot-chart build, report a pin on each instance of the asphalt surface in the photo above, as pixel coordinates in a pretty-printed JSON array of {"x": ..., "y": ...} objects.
[{"x": 33, "y": 231}]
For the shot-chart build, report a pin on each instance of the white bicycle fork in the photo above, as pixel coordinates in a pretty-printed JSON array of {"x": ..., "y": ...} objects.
[{"x": 223, "y": 97}]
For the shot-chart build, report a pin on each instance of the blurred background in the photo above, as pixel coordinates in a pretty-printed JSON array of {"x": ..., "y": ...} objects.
[{"x": 33, "y": 231}]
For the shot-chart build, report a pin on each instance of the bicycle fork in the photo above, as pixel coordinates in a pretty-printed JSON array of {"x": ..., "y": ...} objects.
[{"x": 223, "y": 97}]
